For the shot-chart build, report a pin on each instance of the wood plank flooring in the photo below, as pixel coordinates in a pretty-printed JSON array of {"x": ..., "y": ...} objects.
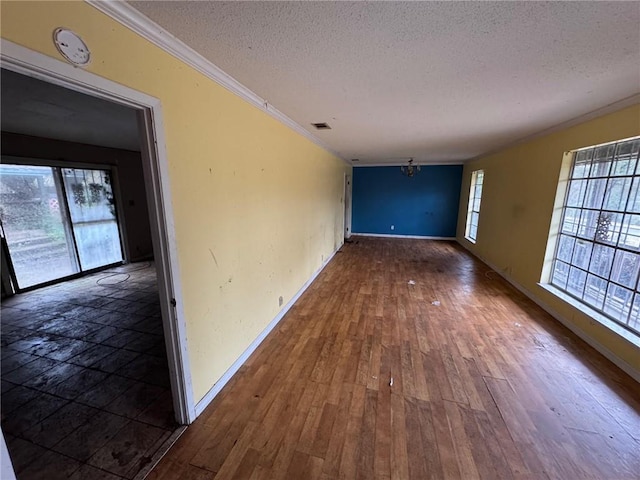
[{"x": 367, "y": 378}]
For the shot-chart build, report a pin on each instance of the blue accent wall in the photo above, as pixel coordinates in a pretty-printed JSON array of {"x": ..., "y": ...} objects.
[{"x": 425, "y": 205}]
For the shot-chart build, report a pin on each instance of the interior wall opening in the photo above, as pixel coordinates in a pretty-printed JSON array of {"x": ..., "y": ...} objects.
[{"x": 83, "y": 336}]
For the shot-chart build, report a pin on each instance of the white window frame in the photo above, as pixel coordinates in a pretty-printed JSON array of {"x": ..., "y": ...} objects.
[
  {"x": 596, "y": 256},
  {"x": 473, "y": 206}
]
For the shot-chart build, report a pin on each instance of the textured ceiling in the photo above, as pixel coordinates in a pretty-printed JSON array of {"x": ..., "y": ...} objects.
[
  {"x": 438, "y": 81},
  {"x": 41, "y": 109}
]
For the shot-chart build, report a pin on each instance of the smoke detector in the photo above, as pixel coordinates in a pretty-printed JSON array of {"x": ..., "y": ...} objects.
[{"x": 71, "y": 47}]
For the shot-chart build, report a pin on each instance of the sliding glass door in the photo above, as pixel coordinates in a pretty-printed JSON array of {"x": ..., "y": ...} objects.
[
  {"x": 36, "y": 230},
  {"x": 57, "y": 221},
  {"x": 93, "y": 216}
]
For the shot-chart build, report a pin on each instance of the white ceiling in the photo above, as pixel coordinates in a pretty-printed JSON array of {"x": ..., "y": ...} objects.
[
  {"x": 41, "y": 109},
  {"x": 438, "y": 81}
]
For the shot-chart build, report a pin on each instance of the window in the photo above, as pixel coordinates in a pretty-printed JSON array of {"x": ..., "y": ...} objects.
[
  {"x": 473, "y": 210},
  {"x": 57, "y": 221},
  {"x": 597, "y": 255}
]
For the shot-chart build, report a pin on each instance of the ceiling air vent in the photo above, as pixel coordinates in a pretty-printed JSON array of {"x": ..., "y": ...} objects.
[
  {"x": 355, "y": 159},
  {"x": 322, "y": 126}
]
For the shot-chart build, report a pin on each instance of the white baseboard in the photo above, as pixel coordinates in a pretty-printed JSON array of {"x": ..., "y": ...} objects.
[
  {"x": 620, "y": 363},
  {"x": 401, "y": 236},
  {"x": 219, "y": 385}
]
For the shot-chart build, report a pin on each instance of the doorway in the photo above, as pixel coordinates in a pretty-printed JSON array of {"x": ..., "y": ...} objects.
[
  {"x": 347, "y": 206},
  {"x": 73, "y": 233}
]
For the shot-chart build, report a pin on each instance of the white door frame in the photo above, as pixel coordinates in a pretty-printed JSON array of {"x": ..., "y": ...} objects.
[
  {"x": 347, "y": 205},
  {"x": 156, "y": 174}
]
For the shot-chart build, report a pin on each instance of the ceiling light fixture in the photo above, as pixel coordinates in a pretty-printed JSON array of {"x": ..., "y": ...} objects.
[{"x": 410, "y": 170}]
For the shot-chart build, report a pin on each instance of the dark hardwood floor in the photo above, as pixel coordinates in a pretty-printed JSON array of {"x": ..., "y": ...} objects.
[{"x": 457, "y": 376}]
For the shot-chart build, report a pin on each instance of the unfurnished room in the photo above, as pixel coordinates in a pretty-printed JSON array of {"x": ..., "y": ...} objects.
[{"x": 320, "y": 240}]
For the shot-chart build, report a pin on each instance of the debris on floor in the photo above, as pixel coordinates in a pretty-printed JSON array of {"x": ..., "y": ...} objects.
[
  {"x": 391, "y": 382},
  {"x": 490, "y": 274},
  {"x": 411, "y": 282},
  {"x": 85, "y": 381},
  {"x": 436, "y": 303},
  {"x": 517, "y": 324}
]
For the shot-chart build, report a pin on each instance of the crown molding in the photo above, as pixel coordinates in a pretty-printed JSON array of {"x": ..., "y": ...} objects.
[
  {"x": 599, "y": 112},
  {"x": 131, "y": 18}
]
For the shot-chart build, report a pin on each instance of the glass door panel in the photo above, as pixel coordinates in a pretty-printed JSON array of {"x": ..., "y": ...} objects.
[
  {"x": 93, "y": 216},
  {"x": 38, "y": 236}
]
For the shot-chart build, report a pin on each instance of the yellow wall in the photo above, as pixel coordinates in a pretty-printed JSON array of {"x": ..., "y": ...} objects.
[
  {"x": 260, "y": 198},
  {"x": 518, "y": 197}
]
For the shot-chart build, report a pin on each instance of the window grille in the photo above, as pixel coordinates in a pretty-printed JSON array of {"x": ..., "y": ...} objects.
[
  {"x": 597, "y": 256},
  {"x": 473, "y": 210}
]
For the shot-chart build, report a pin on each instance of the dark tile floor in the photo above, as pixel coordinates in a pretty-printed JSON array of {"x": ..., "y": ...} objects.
[{"x": 85, "y": 383}]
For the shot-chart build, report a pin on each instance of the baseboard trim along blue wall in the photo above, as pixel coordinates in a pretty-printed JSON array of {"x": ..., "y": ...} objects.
[{"x": 387, "y": 202}]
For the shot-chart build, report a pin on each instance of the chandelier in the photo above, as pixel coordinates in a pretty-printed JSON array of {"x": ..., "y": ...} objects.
[{"x": 410, "y": 169}]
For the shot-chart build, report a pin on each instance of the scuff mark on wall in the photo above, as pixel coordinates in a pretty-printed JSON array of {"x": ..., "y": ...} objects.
[{"x": 214, "y": 258}]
